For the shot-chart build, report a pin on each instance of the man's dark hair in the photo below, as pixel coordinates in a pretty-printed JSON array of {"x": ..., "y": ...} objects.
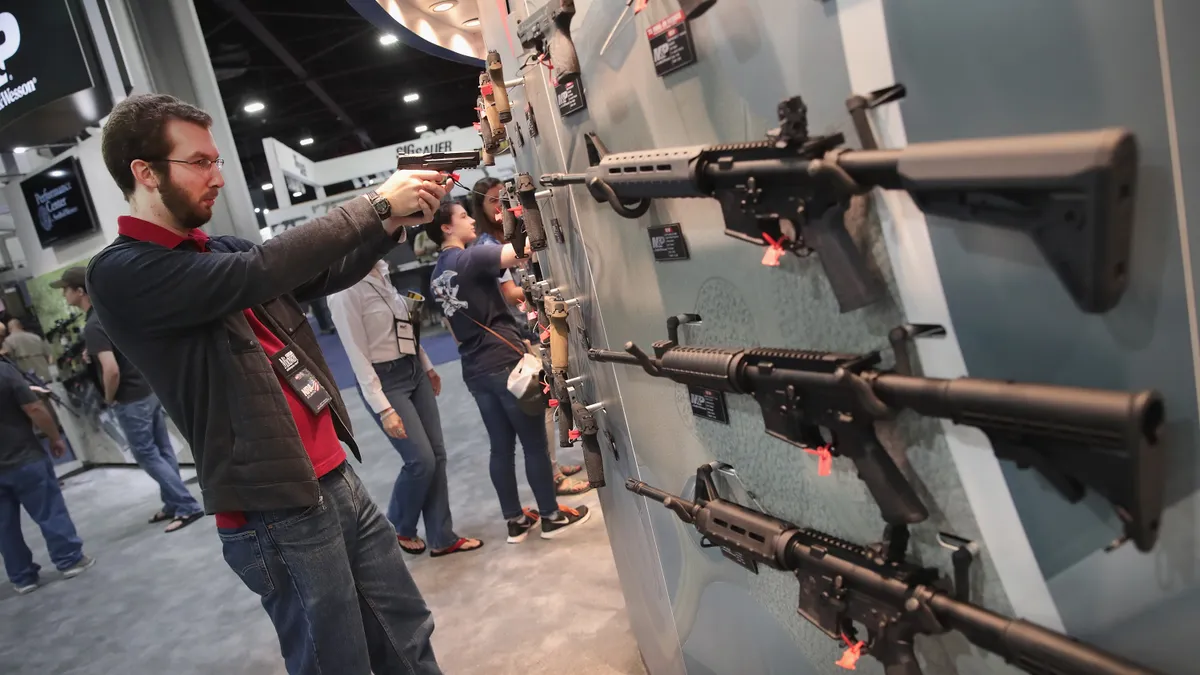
[
  {"x": 443, "y": 216},
  {"x": 136, "y": 129}
]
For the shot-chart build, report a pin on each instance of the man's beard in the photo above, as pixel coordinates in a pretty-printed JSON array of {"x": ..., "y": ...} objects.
[{"x": 187, "y": 213}]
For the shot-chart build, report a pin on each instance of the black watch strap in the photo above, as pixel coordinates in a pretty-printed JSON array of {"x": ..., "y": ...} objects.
[{"x": 383, "y": 208}]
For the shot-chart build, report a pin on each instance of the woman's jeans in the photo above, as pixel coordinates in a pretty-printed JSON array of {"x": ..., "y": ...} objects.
[
  {"x": 505, "y": 422},
  {"x": 421, "y": 488}
]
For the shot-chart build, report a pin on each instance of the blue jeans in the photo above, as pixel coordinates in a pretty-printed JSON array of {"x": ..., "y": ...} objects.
[
  {"x": 333, "y": 581},
  {"x": 505, "y": 422},
  {"x": 35, "y": 487},
  {"x": 145, "y": 425},
  {"x": 421, "y": 489}
]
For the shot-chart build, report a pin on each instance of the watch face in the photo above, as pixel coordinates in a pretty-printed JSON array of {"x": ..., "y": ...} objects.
[{"x": 382, "y": 206}]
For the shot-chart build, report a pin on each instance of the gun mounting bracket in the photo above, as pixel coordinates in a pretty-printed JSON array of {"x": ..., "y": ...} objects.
[
  {"x": 901, "y": 338},
  {"x": 964, "y": 553},
  {"x": 858, "y": 105}
]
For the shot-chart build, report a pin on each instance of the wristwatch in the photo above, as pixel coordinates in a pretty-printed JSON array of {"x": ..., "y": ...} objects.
[{"x": 382, "y": 206}]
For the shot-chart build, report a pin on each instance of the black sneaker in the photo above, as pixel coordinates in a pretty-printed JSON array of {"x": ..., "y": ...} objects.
[
  {"x": 518, "y": 528},
  {"x": 562, "y": 519}
]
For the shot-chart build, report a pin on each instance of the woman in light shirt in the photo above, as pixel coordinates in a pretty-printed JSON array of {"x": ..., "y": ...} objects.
[{"x": 399, "y": 385}]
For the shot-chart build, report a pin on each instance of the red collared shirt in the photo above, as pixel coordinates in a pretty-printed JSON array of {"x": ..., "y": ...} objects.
[{"x": 316, "y": 431}]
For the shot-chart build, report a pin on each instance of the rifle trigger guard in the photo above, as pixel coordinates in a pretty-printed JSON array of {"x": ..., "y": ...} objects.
[
  {"x": 631, "y": 211},
  {"x": 874, "y": 407},
  {"x": 828, "y": 167}
]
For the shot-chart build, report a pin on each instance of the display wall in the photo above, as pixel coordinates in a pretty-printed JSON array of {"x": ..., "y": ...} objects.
[{"x": 972, "y": 69}]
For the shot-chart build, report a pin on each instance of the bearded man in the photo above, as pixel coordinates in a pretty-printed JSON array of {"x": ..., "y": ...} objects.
[{"x": 215, "y": 326}]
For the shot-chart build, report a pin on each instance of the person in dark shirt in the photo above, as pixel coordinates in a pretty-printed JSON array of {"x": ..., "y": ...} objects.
[
  {"x": 27, "y": 479},
  {"x": 215, "y": 325},
  {"x": 137, "y": 409},
  {"x": 490, "y": 344}
]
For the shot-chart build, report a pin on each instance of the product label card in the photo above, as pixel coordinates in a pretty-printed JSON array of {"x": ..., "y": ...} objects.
[
  {"x": 570, "y": 97},
  {"x": 708, "y": 404},
  {"x": 301, "y": 380},
  {"x": 667, "y": 243},
  {"x": 671, "y": 44}
]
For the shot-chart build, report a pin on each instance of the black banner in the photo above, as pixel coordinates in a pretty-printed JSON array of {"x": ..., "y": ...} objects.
[{"x": 41, "y": 58}]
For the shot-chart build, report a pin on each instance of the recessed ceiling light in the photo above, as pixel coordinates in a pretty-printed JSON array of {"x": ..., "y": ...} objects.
[
  {"x": 58, "y": 173},
  {"x": 257, "y": 210},
  {"x": 18, "y": 151},
  {"x": 409, "y": 98},
  {"x": 471, "y": 23},
  {"x": 298, "y": 193},
  {"x": 421, "y": 129},
  {"x": 306, "y": 141},
  {"x": 266, "y": 211},
  {"x": 388, "y": 39},
  {"x": 444, "y": 6},
  {"x": 267, "y": 186},
  {"x": 254, "y": 107}
]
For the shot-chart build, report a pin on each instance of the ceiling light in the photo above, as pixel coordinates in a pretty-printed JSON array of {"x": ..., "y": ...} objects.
[
  {"x": 444, "y": 6},
  {"x": 421, "y": 129},
  {"x": 58, "y": 173},
  {"x": 409, "y": 98},
  {"x": 17, "y": 151},
  {"x": 306, "y": 141},
  {"x": 298, "y": 193},
  {"x": 267, "y": 186},
  {"x": 254, "y": 107},
  {"x": 388, "y": 39},
  {"x": 266, "y": 211},
  {"x": 471, "y": 23},
  {"x": 257, "y": 210}
]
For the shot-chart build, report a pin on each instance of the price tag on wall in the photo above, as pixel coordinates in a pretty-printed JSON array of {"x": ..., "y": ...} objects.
[
  {"x": 570, "y": 97},
  {"x": 671, "y": 44},
  {"x": 708, "y": 404},
  {"x": 667, "y": 243}
]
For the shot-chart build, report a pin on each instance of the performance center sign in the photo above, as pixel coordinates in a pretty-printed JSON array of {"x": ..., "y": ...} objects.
[{"x": 41, "y": 59}]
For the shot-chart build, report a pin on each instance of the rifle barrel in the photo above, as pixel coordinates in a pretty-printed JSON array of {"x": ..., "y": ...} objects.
[
  {"x": 649, "y": 492},
  {"x": 555, "y": 179},
  {"x": 1027, "y": 645},
  {"x": 609, "y": 356}
]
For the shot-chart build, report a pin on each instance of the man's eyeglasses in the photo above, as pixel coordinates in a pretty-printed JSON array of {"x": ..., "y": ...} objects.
[{"x": 203, "y": 164}]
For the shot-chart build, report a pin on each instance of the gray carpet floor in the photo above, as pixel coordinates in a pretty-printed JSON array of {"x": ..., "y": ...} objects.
[{"x": 157, "y": 603}]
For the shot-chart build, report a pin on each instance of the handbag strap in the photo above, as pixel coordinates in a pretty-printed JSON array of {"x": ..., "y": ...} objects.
[{"x": 522, "y": 352}]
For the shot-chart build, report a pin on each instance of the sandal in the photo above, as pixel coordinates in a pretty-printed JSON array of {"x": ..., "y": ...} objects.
[
  {"x": 463, "y": 544},
  {"x": 180, "y": 522},
  {"x": 416, "y": 546},
  {"x": 568, "y": 486},
  {"x": 159, "y": 517},
  {"x": 570, "y": 469}
]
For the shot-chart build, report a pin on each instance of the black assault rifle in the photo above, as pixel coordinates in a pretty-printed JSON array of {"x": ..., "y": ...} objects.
[
  {"x": 1073, "y": 193},
  {"x": 844, "y": 585},
  {"x": 1108, "y": 441}
]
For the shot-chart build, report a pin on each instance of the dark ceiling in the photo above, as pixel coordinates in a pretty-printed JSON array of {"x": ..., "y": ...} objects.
[{"x": 344, "y": 66}]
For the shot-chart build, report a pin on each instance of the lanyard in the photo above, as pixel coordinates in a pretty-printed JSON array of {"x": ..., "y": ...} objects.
[{"x": 408, "y": 334}]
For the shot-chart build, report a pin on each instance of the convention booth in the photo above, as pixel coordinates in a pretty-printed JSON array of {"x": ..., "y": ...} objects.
[{"x": 673, "y": 95}]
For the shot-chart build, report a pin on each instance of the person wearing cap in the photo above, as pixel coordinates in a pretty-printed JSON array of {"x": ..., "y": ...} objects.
[
  {"x": 216, "y": 326},
  {"x": 138, "y": 410}
]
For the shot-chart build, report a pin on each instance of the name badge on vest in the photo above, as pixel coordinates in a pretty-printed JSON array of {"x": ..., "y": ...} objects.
[
  {"x": 406, "y": 338},
  {"x": 301, "y": 380}
]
